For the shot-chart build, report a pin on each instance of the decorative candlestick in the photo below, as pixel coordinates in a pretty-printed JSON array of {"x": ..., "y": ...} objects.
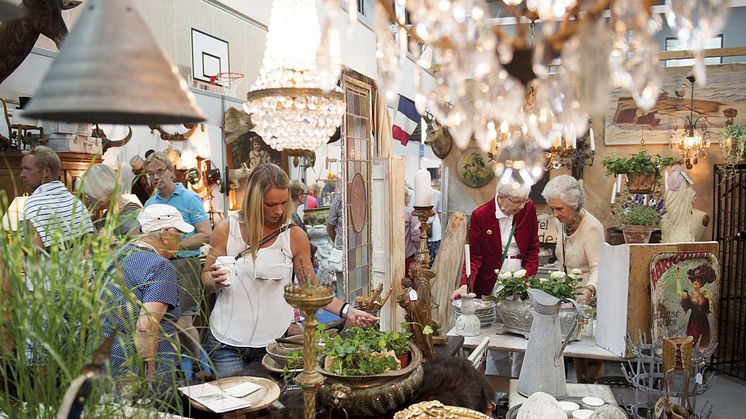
[
  {"x": 419, "y": 308},
  {"x": 309, "y": 297}
]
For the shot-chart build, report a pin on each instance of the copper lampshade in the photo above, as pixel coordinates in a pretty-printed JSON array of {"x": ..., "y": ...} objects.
[
  {"x": 111, "y": 70},
  {"x": 10, "y": 11}
]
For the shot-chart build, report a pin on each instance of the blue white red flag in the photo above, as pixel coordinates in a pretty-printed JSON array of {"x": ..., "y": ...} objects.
[{"x": 405, "y": 120}]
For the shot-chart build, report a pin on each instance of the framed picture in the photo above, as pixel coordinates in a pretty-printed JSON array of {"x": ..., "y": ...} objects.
[
  {"x": 210, "y": 56},
  {"x": 718, "y": 102}
]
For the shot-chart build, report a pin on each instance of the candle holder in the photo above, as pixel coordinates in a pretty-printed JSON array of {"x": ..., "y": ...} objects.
[
  {"x": 574, "y": 158},
  {"x": 419, "y": 310},
  {"x": 309, "y": 297}
]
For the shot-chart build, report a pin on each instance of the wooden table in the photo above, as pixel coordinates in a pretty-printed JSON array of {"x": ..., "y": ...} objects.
[
  {"x": 584, "y": 348},
  {"x": 574, "y": 390}
]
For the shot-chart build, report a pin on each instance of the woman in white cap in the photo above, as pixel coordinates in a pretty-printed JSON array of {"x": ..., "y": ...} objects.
[
  {"x": 100, "y": 189},
  {"x": 146, "y": 334},
  {"x": 250, "y": 311}
]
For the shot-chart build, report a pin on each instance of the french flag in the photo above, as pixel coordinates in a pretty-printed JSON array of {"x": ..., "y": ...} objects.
[{"x": 405, "y": 120}]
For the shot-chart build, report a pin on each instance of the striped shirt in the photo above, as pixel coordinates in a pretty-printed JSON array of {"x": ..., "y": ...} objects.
[{"x": 56, "y": 214}]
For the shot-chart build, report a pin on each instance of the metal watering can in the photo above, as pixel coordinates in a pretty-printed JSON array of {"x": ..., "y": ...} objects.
[{"x": 544, "y": 366}]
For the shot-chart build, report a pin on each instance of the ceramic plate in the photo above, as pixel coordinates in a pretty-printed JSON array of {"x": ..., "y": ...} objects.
[{"x": 271, "y": 365}]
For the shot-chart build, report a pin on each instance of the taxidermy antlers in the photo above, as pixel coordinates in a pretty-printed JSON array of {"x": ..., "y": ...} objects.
[
  {"x": 167, "y": 136},
  {"x": 43, "y": 17},
  {"x": 107, "y": 143}
]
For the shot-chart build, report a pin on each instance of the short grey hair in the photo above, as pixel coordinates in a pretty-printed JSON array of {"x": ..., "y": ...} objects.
[
  {"x": 99, "y": 182},
  {"x": 567, "y": 189},
  {"x": 510, "y": 189},
  {"x": 45, "y": 157},
  {"x": 159, "y": 157}
]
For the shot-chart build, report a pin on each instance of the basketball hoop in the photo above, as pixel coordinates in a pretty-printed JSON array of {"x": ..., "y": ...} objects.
[{"x": 228, "y": 81}]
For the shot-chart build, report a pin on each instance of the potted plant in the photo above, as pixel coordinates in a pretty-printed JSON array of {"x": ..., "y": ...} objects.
[
  {"x": 638, "y": 220},
  {"x": 512, "y": 304},
  {"x": 362, "y": 373},
  {"x": 643, "y": 170},
  {"x": 734, "y": 143}
]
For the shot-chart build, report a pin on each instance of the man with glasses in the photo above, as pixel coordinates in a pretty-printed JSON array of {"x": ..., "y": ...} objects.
[
  {"x": 505, "y": 228},
  {"x": 51, "y": 213},
  {"x": 160, "y": 170}
]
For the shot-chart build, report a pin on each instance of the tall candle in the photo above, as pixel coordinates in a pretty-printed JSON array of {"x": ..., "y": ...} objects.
[
  {"x": 665, "y": 181},
  {"x": 423, "y": 193},
  {"x": 467, "y": 259},
  {"x": 619, "y": 183},
  {"x": 574, "y": 137},
  {"x": 593, "y": 140},
  {"x": 613, "y": 193}
]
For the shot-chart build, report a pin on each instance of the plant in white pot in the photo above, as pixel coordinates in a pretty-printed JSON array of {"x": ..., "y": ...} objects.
[{"x": 512, "y": 304}]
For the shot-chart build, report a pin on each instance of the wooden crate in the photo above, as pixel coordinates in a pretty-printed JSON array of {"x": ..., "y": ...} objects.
[{"x": 624, "y": 290}]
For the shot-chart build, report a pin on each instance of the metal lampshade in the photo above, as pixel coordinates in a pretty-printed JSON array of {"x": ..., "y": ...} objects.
[
  {"x": 10, "y": 11},
  {"x": 111, "y": 70}
]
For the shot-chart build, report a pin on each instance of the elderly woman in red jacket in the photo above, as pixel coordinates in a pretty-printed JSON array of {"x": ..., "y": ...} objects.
[{"x": 508, "y": 220}]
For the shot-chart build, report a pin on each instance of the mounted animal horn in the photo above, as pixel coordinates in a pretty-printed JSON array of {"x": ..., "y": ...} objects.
[
  {"x": 107, "y": 143},
  {"x": 167, "y": 136}
]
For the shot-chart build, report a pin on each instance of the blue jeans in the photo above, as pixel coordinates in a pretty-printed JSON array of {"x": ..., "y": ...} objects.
[{"x": 231, "y": 360}]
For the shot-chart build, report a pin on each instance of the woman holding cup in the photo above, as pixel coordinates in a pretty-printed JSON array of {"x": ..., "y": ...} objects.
[{"x": 250, "y": 310}]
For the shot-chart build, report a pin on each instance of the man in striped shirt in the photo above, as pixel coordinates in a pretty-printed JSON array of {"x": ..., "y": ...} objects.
[{"x": 52, "y": 214}]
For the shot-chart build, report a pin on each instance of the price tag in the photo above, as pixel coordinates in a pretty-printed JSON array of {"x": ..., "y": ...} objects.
[
  {"x": 412, "y": 295},
  {"x": 659, "y": 406},
  {"x": 698, "y": 378}
]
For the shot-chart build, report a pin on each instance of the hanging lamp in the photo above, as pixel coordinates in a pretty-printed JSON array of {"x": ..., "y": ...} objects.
[{"x": 110, "y": 70}]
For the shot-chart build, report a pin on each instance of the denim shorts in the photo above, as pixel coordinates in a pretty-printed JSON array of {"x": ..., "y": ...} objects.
[{"x": 231, "y": 360}]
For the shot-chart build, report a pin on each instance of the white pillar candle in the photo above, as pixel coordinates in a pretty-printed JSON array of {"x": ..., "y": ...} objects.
[
  {"x": 593, "y": 140},
  {"x": 423, "y": 193},
  {"x": 613, "y": 193},
  {"x": 467, "y": 260},
  {"x": 644, "y": 200},
  {"x": 665, "y": 181},
  {"x": 619, "y": 183},
  {"x": 574, "y": 136}
]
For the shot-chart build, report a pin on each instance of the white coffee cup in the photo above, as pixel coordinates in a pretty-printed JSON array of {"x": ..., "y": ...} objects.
[{"x": 228, "y": 265}]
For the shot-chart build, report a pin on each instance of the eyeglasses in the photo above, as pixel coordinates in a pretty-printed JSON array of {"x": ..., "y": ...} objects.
[
  {"x": 158, "y": 172},
  {"x": 514, "y": 201}
]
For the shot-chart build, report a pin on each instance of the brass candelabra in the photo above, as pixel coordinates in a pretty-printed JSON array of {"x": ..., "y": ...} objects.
[
  {"x": 420, "y": 310},
  {"x": 309, "y": 297}
]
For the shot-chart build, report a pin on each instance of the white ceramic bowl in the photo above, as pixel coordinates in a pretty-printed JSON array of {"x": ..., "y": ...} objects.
[
  {"x": 592, "y": 403},
  {"x": 569, "y": 407},
  {"x": 582, "y": 414}
]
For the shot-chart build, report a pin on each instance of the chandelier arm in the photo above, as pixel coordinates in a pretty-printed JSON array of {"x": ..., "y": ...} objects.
[{"x": 556, "y": 40}]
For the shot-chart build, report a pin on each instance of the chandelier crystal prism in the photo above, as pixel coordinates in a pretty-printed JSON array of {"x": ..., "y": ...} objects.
[{"x": 288, "y": 106}]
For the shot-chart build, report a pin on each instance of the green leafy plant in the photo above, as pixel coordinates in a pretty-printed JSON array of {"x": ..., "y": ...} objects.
[
  {"x": 559, "y": 284},
  {"x": 734, "y": 143},
  {"x": 362, "y": 351},
  {"x": 636, "y": 164},
  {"x": 638, "y": 214}
]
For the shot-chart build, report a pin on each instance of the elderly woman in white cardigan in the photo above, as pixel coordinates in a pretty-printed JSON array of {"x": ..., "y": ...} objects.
[{"x": 578, "y": 245}]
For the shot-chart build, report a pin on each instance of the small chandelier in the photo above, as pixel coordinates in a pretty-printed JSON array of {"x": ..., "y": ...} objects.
[
  {"x": 694, "y": 139},
  {"x": 287, "y": 104}
]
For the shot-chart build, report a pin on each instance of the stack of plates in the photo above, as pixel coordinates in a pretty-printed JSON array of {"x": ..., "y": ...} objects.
[{"x": 485, "y": 311}]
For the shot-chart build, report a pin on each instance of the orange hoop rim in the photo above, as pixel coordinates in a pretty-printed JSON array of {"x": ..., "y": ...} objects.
[{"x": 229, "y": 76}]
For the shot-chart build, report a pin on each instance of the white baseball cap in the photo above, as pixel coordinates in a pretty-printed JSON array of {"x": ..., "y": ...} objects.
[{"x": 157, "y": 216}]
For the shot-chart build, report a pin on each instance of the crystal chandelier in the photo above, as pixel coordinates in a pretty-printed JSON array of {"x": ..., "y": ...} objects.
[
  {"x": 292, "y": 104},
  {"x": 483, "y": 73},
  {"x": 694, "y": 139}
]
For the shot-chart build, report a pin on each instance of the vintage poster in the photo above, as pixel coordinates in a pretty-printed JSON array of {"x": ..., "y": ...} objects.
[{"x": 684, "y": 295}]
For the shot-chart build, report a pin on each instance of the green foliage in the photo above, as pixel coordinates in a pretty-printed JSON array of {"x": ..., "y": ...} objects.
[
  {"x": 636, "y": 164},
  {"x": 52, "y": 313},
  {"x": 734, "y": 143},
  {"x": 561, "y": 286},
  {"x": 638, "y": 214},
  {"x": 363, "y": 351}
]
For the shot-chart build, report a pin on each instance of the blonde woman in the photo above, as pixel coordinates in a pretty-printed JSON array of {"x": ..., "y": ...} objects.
[
  {"x": 250, "y": 310},
  {"x": 98, "y": 187}
]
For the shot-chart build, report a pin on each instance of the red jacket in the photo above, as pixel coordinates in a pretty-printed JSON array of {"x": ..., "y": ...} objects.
[{"x": 486, "y": 248}]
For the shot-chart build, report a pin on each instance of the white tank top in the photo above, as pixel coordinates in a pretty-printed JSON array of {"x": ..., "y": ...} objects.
[{"x": 252, "y": 311}]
